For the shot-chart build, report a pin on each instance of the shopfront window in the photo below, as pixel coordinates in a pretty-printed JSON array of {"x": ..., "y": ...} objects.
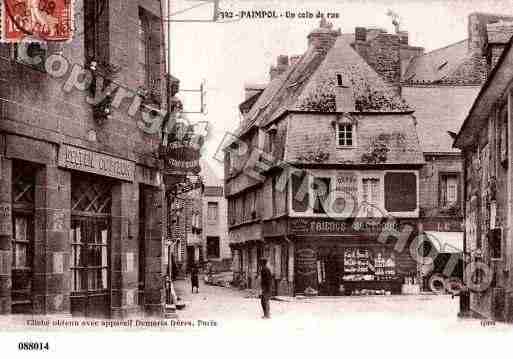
[
  {"x": 89, "y": 254},
  {"x": 22, "y": 242}
]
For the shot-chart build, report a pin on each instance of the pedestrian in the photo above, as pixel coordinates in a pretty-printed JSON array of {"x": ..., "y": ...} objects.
[
  {"x": 266, "y": 285},
  {"x": 194, "y": 278}
]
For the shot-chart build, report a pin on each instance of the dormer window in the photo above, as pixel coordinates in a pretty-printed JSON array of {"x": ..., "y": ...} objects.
[{"x": 345, "y": 132}]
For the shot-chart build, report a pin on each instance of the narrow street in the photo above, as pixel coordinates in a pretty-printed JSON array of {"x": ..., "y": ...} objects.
[{"x": 423, "y": 313}]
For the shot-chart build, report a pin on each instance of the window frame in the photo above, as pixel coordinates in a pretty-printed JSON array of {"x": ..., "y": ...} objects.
[
  {"x": 85, "y": 249},
  {"x": 442, "y": 176},
  {"x": 143, "y": 41},
  {"x": 28, "y": 243},
  {"x": 344, "y": 123},
  {"x": 211, "y": 205}
]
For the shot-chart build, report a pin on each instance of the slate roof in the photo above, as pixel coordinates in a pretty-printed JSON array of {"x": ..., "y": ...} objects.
[
  {"x": 453, "y": 64},
  {"x": 310, "y": 85},
  {"x": 439, "y": 110}
]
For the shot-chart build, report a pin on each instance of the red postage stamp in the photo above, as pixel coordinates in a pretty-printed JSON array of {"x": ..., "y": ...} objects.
[{"x": 44, "y": 20}]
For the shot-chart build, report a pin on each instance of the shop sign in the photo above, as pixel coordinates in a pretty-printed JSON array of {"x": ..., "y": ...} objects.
[
  {"x": 350, "y": 226},
  {"x": 98, "y": 163},
  {"x": 306, "y": 261},
  {"x": 180, "y": 157}
]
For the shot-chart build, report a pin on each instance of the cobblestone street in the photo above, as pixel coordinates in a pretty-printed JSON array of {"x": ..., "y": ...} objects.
[{"x": 423, "y": 313}]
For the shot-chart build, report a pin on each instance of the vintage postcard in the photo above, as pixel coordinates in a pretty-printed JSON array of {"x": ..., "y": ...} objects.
[
  {"x": 37, "y": 20},
  {"x": 256, "y": 177}
]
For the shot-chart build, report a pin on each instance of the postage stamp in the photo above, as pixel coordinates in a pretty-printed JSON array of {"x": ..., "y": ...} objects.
[{"x": 39, "y": 20}]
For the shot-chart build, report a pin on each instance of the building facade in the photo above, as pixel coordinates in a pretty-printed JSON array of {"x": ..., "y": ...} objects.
[
  {"x": 439, "y": 86},
  {"x": 337, "y": 206},
  {"x": 83, "y": 202},
  {"x": 485, "y": 142},
  {"x": 214, "y": 239}
]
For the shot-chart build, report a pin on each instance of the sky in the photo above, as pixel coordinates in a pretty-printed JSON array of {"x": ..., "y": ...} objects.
[{"x": 230, "y": 53}]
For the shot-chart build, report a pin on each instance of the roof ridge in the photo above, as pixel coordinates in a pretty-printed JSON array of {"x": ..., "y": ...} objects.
[{"x": 443, "y": 48}]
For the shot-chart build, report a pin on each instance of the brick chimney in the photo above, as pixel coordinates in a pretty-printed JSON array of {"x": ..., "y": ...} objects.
[
  {"x": 324, "y": 37},
  {"x": 477, "y": 30},
  {"x": 282, "y": 64},
  {"x": 294, "y": 59},
  {"x": 498, "y": 36},
  {"x": 388, "y": 54}
]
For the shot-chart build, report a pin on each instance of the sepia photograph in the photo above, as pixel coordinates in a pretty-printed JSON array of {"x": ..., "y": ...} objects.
[{"x": 298, "y": 178}]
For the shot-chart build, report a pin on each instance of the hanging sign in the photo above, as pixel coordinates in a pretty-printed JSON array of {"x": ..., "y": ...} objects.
[{"x": 180, "y": 157}]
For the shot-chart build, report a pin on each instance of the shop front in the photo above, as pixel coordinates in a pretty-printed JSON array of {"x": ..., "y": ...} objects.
[
  {"x": 69, "y": 230},
  {"x": 359, "y": 257}
]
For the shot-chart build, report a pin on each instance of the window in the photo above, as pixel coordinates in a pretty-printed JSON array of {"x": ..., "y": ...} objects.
[
  {"x": 89, "y": 254},
  {"x": 503, "y": 139},
  {"x": 321, "y": 190},
  {"x": 273, "y": 194},
  {"x": 212, "y": 211},
  {"x": 143, "y": 53},
  {"x": 400, "y": 192},
  {"x": 213, "y": 247},
  {"x": 345, "y": 134},
  {"x": 370, "y": 196},
  {"x": 22, "y": 243},
  {"x": 300, "y": 200},
  {"x": 449, "y": 184},
  {"x": 96, "y": 27}
]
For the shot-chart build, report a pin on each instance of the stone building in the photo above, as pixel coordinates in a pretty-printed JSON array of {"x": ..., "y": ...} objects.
[
  {"x": 83, "y": 203},
  {"x": 185, "y": 218},
  {"x": 439, "y": 86},
  {"x": 485, "y": 141},
  {"x": 341, "y": 157},
  {"x": 214, "y": 238}
]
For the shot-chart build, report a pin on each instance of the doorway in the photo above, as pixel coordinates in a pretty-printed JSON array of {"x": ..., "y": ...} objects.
[
  {"x": 90, "y": 237},
  {"x": 90, "y": 252}
]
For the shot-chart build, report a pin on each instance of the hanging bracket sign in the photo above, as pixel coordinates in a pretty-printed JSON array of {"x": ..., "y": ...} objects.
[{"x": 180, "y": 157}]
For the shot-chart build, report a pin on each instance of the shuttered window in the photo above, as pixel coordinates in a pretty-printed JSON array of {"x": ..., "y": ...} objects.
[{"x": 400, "y": 192}]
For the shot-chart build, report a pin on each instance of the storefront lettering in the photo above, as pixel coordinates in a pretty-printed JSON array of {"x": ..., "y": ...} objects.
[
  {"x": 368, "y": 225},
  {"x": 93, "y": 162}
]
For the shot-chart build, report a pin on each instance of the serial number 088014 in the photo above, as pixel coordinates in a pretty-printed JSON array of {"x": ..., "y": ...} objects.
[{"x": 33, "y": 346}]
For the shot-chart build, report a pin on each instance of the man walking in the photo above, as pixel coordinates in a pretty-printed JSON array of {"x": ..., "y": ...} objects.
[{"x": 266, "y": 284}]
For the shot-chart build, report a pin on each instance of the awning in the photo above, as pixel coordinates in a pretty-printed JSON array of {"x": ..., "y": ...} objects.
[{"x": 446, "y": 242}]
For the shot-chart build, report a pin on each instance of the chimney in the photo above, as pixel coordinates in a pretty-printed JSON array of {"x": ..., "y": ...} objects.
[
  {"x": 498, "y": 36},
  {"x": 294, "y": 59},
  {"x": 282, "y": 64},
  {"x": 324, "y": 37},
  {"x": 360, "y": 34},
  {"x": 403, "y": 37}
]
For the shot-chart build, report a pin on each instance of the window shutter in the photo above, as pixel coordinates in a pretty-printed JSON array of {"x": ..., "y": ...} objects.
[{"x": 400, "y": 192}]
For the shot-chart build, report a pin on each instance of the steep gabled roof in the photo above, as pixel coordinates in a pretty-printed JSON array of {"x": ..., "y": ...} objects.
[
  {"x": 311, "y": 84},
  {"x": 369, "y": 90},
  {"x": 453, "y": 64},
  {"x": 283, "y": 89}
]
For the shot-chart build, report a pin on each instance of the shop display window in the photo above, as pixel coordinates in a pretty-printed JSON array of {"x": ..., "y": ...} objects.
[{"x": 364, "y": 264}]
